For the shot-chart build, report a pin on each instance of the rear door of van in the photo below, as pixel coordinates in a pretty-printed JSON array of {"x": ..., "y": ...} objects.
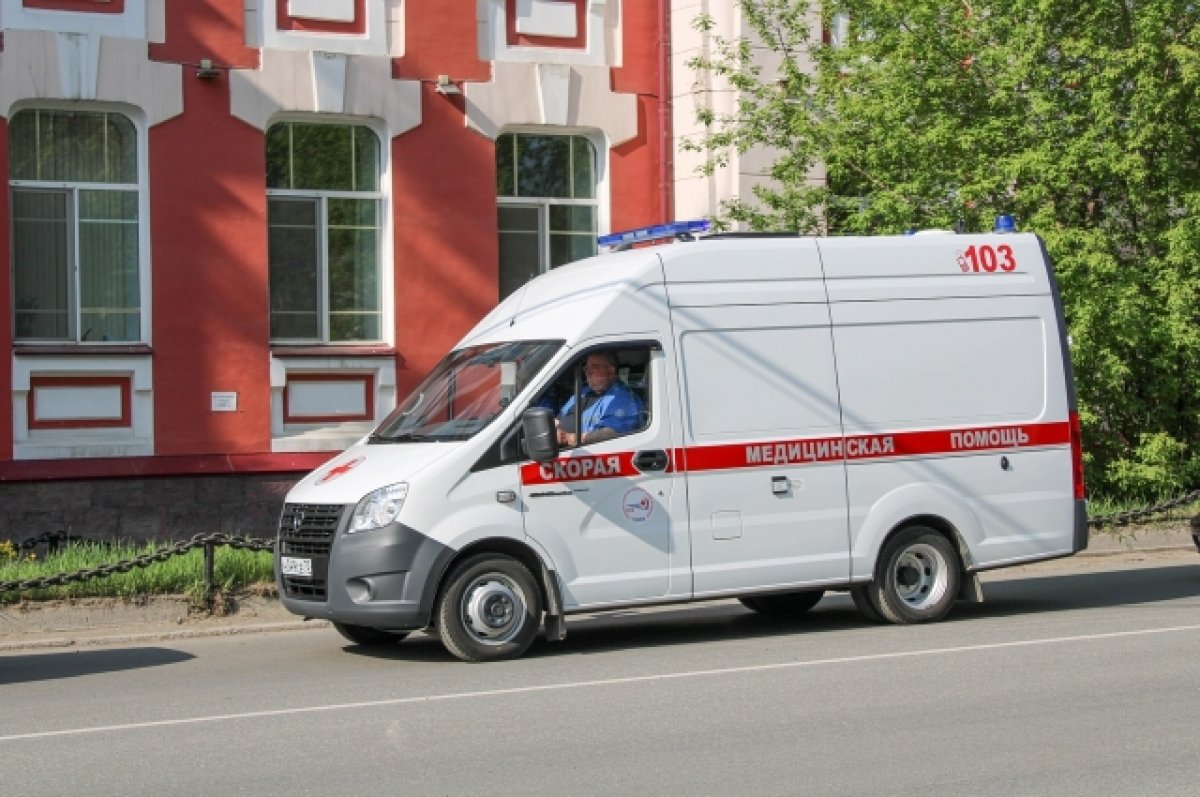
[{"x": 949, "y": 353}]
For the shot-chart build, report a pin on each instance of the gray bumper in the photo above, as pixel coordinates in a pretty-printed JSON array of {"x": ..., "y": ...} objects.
[
  {"x": 385, "y": 578},
  {"x": 1081, "y": 526}
]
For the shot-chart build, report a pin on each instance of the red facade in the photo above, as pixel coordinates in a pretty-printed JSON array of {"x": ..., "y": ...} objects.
[{"x": 206, "y": 367}]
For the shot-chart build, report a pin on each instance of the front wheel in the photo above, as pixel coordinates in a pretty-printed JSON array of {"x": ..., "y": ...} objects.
[
  {"x": 490, "y": 609},
  {"x": 917, "y": 578}
]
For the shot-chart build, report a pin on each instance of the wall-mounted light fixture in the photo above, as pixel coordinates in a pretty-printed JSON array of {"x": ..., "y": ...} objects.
[
  {"x": 446, "y": 86},
  {"x": 206, "y": 71}
]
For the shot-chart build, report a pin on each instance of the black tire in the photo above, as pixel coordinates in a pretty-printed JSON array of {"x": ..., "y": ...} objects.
[
  {"x": 371, "y": 637},
  {"x": 793, "y": 603},
  {"x": 862, "y": 602},
  {"x": 490, "y": 609},
  {"x": 917, "y": 577}
]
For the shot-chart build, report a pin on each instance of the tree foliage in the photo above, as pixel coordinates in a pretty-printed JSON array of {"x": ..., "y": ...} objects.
[{"x": 1080, "y": 119}]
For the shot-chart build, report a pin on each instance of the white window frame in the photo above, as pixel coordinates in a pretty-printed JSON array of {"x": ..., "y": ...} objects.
[
  {"x": 384, "y": 254},
  {"x": 138, "y": 120},
  {"x": 600, "y": 201}
]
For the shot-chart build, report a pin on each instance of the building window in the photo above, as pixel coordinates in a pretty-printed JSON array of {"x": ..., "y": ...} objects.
[
  {"x": 546, "y": 189},
  {"x": 73, "y": 178},
  {"x": 324, "y": 220}
]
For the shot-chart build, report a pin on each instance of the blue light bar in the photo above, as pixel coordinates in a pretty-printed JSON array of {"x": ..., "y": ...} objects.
[{"x": 656, "y": 232}]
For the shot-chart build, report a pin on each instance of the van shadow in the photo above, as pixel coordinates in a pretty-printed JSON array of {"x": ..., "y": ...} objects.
[
  {"x": 28, "y": 668},
  {"x": 713, "y": 621},
  {"x": 1092, "y": 590}
]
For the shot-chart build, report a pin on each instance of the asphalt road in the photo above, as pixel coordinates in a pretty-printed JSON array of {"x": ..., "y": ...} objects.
[{"x": 1081, "y": 678}]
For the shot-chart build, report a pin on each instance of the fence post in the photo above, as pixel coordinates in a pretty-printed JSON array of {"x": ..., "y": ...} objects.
[{"x": 209, "y": 567}]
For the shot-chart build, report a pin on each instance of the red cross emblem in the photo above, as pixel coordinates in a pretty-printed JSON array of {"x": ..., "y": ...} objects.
[{"x": 339, "y": 470}]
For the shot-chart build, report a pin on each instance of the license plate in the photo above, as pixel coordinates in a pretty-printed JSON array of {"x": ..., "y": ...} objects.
[{"x": 292, "y": 566}]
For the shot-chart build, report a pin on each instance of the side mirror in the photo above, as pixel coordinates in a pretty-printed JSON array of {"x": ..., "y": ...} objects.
[{"x": 541, "y": 439}]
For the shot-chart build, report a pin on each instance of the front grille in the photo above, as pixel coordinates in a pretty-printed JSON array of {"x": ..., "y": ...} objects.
[
  {"x": 307, "y": 531},
  {"x": 304, "y": 588}
]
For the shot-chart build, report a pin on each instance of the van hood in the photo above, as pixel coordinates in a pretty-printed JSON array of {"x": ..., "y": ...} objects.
[{"x": 358, "y": 470}]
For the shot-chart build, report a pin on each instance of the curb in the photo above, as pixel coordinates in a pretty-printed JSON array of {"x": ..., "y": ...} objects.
[{"x": 122, "y": 637}]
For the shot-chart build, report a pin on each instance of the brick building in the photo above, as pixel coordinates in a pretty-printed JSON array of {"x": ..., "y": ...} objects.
[{"x": 238, "y": 230}]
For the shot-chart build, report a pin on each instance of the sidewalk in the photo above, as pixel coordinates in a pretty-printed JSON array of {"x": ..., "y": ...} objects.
[{"x": 99, "y": 621}]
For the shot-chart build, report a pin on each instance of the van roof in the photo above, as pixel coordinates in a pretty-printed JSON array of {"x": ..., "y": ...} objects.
[{"x": 567, "y": 302}]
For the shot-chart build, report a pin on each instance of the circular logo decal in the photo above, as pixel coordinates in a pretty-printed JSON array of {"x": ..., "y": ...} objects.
[{"x": 637, "y": 505}]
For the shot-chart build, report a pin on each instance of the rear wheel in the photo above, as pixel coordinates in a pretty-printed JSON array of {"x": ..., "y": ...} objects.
[
  {"x": 365, "y": 635},
  {"x": 917, "y": 578},
  {"x": 490, "y": 609},
  {"x": 785, "y": 603}
]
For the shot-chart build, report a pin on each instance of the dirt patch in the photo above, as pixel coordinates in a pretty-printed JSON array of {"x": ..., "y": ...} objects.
[
  {"x": 91, "y": 613},
  {"x": 156, "y": 613}
]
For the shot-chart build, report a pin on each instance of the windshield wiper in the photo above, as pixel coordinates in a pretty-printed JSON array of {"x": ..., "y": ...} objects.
[{"x": 406, "y": 437}]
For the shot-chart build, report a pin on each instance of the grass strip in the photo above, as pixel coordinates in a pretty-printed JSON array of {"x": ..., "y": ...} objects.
[{"x": 234, "y": 568}]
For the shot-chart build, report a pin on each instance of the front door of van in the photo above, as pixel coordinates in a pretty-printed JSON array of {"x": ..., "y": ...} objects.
[{"x": 605, "y": 512}]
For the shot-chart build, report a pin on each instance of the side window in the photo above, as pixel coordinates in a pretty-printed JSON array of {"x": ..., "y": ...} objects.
[
  {"x": 75, "y": 191},
  {"x": 324, "y": 221},
  {"x": 603, "y": 394}
]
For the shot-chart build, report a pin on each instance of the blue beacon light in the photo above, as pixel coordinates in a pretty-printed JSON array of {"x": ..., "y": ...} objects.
[
  {"x": 682, "y": 230},
  {"x": 1005, "y": 223}
]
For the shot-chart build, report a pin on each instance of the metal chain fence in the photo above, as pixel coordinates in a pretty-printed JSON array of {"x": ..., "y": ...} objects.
[
  {"x": 1134, "y": 516},
  {"x": 209, "y": 542}
]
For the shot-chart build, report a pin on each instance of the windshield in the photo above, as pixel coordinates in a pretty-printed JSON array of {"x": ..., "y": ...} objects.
[{"x": 466, "y": 390}]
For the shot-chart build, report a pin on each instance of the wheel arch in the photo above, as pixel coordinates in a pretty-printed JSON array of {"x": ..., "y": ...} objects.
[
  {"x": 932, "y": 505},
  {"x": 505, "y": 546},
  {"x": 942, "y": 526}
]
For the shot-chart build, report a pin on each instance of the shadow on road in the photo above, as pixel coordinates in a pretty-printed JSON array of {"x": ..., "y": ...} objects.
[
  {"x": 27, "y": 668},
  {"x": 687, "y": 624},
  {"x": 1092, "y": 590}
]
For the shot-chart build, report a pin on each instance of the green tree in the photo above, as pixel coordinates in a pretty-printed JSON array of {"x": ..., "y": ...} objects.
[{"x": 1080, "y": 119}]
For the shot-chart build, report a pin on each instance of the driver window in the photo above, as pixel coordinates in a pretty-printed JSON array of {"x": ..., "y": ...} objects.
[{"x": 603, "y": 394}]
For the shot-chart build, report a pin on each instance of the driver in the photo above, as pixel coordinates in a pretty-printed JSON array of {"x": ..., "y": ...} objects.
[{"x": 610, "y": 408}]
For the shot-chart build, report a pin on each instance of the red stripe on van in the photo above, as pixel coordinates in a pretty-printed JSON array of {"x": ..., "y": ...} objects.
[
  {"x": 810, "y": 451},
  {"x": 583, "y": 467}
]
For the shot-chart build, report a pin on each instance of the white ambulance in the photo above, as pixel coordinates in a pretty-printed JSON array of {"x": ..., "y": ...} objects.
[{"x": 885, "y": 415}]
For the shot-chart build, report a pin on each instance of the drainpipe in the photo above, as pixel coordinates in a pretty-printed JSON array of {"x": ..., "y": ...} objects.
[{"x": 666, "y": 152}]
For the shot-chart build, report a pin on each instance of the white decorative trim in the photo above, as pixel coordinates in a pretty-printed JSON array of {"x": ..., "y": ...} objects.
[
  {"x": 78, "y": 65},
  {"x": 324, "y": 10},
  {"x": 329, "y": 81},
  {"x": 156, "y": 21},
  {"x": 286, "y": 82},
  {"x": 374, "y": 41},
  {"x": 552, "y": 18},
  {"x": 34, "y": 67},
  {"x": 554, "y": 87},
  {"x": 515, "y": 97},
  {"x": 129, "y": 24},
  {"x": 601, "y": 45},
  {"x": 137, "y": 441},
  {"x": 328, "y": 436}
]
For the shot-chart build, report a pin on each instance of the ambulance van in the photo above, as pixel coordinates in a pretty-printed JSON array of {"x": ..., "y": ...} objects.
[{"x": 887, "y": 416}]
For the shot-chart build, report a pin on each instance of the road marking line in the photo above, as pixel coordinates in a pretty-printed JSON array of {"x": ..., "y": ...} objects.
[{"x": 632, "y": 679}]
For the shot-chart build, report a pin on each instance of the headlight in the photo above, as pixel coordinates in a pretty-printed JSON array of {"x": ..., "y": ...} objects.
[{"x": 379, "y": 508}]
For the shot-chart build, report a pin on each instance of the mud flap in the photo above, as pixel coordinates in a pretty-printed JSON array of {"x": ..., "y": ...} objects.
[
  {"x": 556, "y": 622},
  {"x": 970, "y": 590}
]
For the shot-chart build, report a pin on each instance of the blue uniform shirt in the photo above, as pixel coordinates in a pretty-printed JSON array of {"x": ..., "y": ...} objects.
[{"x": 617, "y": 408}]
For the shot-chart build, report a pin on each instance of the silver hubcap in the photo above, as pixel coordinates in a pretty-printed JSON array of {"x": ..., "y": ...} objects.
[
  {"x": 493, "y": 608},
  {"x": 921, "y": 576}
]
